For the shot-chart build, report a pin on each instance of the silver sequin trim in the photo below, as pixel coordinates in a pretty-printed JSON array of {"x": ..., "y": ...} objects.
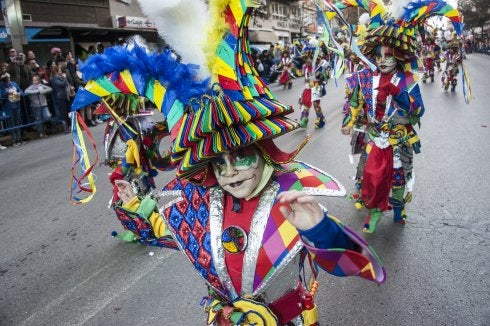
[
  {"x": 285, "y": 262},
  {"x": 169, "y": 197},
  {"x": 374, "y": 96},
  {"x": 282, "y": 283},
  {"x": 257, "y": 228},
  {"x": 215, "y": 226}
]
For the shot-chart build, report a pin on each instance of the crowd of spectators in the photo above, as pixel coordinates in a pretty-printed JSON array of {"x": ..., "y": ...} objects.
[
  {"x": 35, "y": 96},
  {"x": 481, "y": 46},
  {"x": 268, "y": 62}
]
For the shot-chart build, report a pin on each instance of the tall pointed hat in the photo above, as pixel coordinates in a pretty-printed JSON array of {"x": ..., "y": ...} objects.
[
  {"x": 211, "y": 95},
  {"x": 398, "y": 27}
]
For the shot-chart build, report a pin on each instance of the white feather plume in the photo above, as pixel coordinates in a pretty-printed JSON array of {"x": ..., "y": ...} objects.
[
  {"x": 134, "y": 40},
  {"x": 364, "y": 19},
  {"x": 448, "y": 35},
  {"x": 182, "y": 24},
  {"x": 398, "y": 7}
]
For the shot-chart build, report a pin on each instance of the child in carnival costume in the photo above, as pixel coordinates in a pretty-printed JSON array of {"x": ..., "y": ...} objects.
[
  {"x": 388, "y": 98},
  {"x": 286, "y": 64},
  {"x": 358, "y": 135},
  {"x": 240, "y": 209},
  {"x": 453, "y": 60},
  {"x": 311, "y": 95},
  {"x": 431, "y": 54},
  {"x": 429, "y": 57}
]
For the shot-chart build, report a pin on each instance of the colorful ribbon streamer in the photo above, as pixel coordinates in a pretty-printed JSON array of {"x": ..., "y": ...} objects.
[{"x": 81, "y": 156}]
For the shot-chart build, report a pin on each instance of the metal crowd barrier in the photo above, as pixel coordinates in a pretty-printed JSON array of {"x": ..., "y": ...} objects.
[{"x": 27, "y": 116}]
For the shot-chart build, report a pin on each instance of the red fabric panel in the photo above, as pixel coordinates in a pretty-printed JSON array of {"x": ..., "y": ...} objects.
[{"x": 376, "y": 179}]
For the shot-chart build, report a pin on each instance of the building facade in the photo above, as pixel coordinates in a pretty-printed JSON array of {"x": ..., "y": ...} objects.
[
  {"x": 70, "y": 24},
  {"x": 283, "y": 21},
  {"x": 73, "y": 25}
]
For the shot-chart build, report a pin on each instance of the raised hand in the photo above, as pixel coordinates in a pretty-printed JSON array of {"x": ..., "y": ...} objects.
[
  {"x": 124, "y": 190},
  {"x": 300, "y": 209},
  {"x": 346, "y": 130}
]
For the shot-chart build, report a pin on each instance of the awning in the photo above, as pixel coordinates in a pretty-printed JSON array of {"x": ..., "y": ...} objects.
[
  {"x": 93, "y": 34},
  {"x": 29, "y": 33},
  {"x": 262, "y": 37},
  {"x": 282, "y": 34}
]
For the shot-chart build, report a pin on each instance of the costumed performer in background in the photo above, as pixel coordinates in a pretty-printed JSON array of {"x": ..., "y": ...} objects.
[
  {"x": 311, "y": 96},
  {"x": 388, "y": 98}
]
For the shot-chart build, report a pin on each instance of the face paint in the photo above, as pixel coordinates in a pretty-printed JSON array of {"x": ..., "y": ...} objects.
[
  {"x": 239, "y": 172},
  {"x": 385, "y": 59}
]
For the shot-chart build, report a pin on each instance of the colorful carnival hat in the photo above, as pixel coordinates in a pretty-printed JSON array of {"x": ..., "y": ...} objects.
[
  {"x": 214, "y": 105},
  {"x": 398, "y": 29}
]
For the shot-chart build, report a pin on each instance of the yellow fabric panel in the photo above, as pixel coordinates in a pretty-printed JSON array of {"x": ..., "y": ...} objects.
[
  {"x": 128, "y": 80},
  {"x": 159, "y": 94},
  {"x": 96, "y": 89},
  {"x": 225, "y": 70}
]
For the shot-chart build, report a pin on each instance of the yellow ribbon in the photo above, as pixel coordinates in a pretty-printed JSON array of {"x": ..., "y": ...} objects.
[{"x": 133, "y": 156}]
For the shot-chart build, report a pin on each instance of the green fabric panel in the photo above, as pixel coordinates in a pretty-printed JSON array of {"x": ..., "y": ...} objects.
[
  {"x": 297, "y": 186},
  {"x": 226, "y": 53},
  {"x": 398, "y": 193},
  {"x": 106, "y": 84},
  {"x": 324, "y": 178},
  {"x": 127, "y": 236},
  {"x": 146, "y": 207},
  {"x": 175, "y": 114},
  {"x": 150, "y": 91},
  {"x": 354, "y": 100},
  {"x": 252, "y": 88}
]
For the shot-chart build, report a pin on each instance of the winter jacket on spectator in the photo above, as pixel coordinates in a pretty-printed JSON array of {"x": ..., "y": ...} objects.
[{"x": 37, "y": 94}]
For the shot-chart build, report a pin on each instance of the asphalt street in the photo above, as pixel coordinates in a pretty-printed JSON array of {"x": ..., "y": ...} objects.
[{"x": 59, "y": 264}]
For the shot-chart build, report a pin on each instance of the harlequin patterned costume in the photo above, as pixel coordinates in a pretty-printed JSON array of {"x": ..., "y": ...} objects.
[
  {"x": 392, "y": 135},
  {"x": 208, "y": 116},
  {"x": 270, "y": 270},
  {"x": 453, "y": 60},
  {"x": 390, "y": 104}
]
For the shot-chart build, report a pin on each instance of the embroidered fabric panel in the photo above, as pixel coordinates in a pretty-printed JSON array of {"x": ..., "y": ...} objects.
[
  {"x": 143, "y": 230},
  {"x": 398, "y": 177},
  {"x": 351, "y": 81},
  {"x": 189, "y": 221},
  {"x": 366, "y": 84}
]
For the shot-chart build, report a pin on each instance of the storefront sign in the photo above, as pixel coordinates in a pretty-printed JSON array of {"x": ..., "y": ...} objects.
[{"x": 135, "y": 22}]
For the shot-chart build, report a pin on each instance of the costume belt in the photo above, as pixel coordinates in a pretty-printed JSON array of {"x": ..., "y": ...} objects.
[
  {"x": 244, "y": 311},
  {"x": 397, "y": 133}
]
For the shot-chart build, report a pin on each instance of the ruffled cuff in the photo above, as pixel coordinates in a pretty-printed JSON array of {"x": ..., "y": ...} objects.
[
  {"x": 363, "y": 262},
  {"x": 328, "y": 234}
]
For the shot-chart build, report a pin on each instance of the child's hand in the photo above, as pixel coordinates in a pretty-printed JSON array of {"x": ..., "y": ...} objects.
[
  {"x": 124, "y": 190},
  {"x": 300, "y": 209},
  {"x": 346, "y": 130}
]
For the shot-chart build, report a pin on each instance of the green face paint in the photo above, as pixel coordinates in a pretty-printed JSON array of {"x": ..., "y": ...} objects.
[
  {"x": 246, "y": 162},
  {"x": 385, "y": 59},
  {"x": 389, "y": 60},
  {"x": 240, "y": 161},
  {"x": 239, "y": 172}
]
